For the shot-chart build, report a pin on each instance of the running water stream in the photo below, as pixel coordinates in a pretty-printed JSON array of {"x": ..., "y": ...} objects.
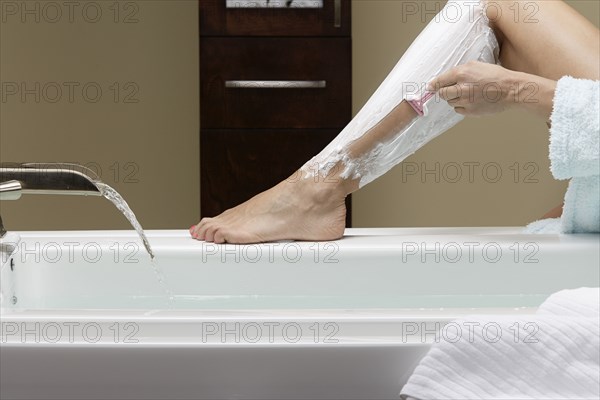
[{"x": 114, "y": 197}]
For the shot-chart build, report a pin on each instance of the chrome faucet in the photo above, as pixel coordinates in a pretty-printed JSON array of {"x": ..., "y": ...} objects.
[{"x": 43, "y": 178}]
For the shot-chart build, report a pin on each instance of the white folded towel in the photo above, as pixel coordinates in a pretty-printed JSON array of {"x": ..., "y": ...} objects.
[{"x": 554, "y": 354}]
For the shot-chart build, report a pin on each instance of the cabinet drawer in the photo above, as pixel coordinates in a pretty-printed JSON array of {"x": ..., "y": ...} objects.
[
  {"x": 236, "y": 165},
  {"x": 256, "y": 18},
  {"x": 275, "y": 83}
]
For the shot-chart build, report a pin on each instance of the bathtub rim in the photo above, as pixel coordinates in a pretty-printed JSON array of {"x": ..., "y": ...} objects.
[
  {"x": 163, "y": 328},
  {"x": 355, "y": 316}
]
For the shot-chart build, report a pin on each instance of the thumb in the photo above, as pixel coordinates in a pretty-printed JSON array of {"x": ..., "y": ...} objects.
[{"x": 448, "y": 78}]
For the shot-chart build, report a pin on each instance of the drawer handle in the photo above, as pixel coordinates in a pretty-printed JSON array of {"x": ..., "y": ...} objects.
[
  {"x": 276, "y": 84},
  {"x": 337, "y": 18},
  {"x": 274, "y": 4}
]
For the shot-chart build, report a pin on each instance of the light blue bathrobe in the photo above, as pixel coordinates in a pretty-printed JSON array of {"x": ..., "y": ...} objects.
[{"x": 575, "y": 155}]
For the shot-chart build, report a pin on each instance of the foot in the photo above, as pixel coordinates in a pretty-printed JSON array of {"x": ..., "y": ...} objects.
[{"x": 293, "y": 210}]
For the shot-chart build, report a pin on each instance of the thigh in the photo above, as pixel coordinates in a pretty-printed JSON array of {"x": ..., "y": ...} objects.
[{"x": 547, "y": 38}]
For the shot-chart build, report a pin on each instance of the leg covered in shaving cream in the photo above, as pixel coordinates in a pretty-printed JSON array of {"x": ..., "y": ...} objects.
[{"x": 402, "y": 116}]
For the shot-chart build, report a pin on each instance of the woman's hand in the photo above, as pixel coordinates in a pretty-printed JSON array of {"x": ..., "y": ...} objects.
[{"x": 477, "y": 88}]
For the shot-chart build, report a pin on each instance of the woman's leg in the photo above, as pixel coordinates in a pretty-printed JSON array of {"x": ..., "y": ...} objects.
[
  {"x": 310, "y": 205},
  {"x": 547, "y": 38}
]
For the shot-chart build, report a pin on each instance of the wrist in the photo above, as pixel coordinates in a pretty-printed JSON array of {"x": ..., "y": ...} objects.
[
  {"x": 516, "y": 83},
  {"x": 533, "y": 93}
]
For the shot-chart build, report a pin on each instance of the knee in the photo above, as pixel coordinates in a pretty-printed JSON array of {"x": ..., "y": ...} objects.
[{"x": 501, "y": 13}]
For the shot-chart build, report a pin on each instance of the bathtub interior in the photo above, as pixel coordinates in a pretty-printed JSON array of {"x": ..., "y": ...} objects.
[{"x": 423, "y": 268}]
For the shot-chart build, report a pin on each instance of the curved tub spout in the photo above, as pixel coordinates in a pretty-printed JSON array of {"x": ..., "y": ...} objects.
[
  {"x": 17, "y": 179},
  {"x": 45, "y": 178},
  {"x": 60, "y": 178}
]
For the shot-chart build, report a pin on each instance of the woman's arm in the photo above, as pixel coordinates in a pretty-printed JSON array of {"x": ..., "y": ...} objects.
[{"x": 478, "y": 89}]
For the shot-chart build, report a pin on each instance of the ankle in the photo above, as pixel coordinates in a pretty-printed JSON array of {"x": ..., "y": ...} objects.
[
  {"x": 330, "y": 180},
  {"x": 317, "y": 190},
  {"x": 328, "y": 191}
]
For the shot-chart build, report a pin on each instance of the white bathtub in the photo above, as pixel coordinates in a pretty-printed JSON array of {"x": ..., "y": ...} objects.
[{"x": 343, "y": 320}]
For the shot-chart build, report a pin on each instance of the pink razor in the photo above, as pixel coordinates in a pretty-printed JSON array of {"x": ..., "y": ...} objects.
[{"x": 417, "y": 105}]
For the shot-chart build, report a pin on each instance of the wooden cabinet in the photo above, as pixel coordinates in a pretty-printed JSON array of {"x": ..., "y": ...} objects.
[
  {"x": 275, "y": 83},
  {"x": 246, "y": 18},
  {"x": 275, "y": 88}
]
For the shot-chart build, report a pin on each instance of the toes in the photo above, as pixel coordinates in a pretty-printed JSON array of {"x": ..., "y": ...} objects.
[
  {"x": 219, "y": 236},
  {"x": 209, "y": 234},
  {"x": 194, "y": 231},
  {"x": 198, "y": 232}
]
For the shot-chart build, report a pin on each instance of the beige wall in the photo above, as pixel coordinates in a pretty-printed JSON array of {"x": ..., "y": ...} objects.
[{"x": 159, "y": 134}]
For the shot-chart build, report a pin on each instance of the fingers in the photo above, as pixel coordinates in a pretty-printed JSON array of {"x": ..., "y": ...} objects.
[
  {"x": 461, "y": 111},
  {"x": 451, "y": 85},
  {"x": 464, "y": 88},
  {"x": 457, "y": 75},
  {"x": 448, "y": 78},
  {"x": 457, "y": 97},
  {"x": 450, "y": 93},
  {"x": 447, "y": 86}
]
